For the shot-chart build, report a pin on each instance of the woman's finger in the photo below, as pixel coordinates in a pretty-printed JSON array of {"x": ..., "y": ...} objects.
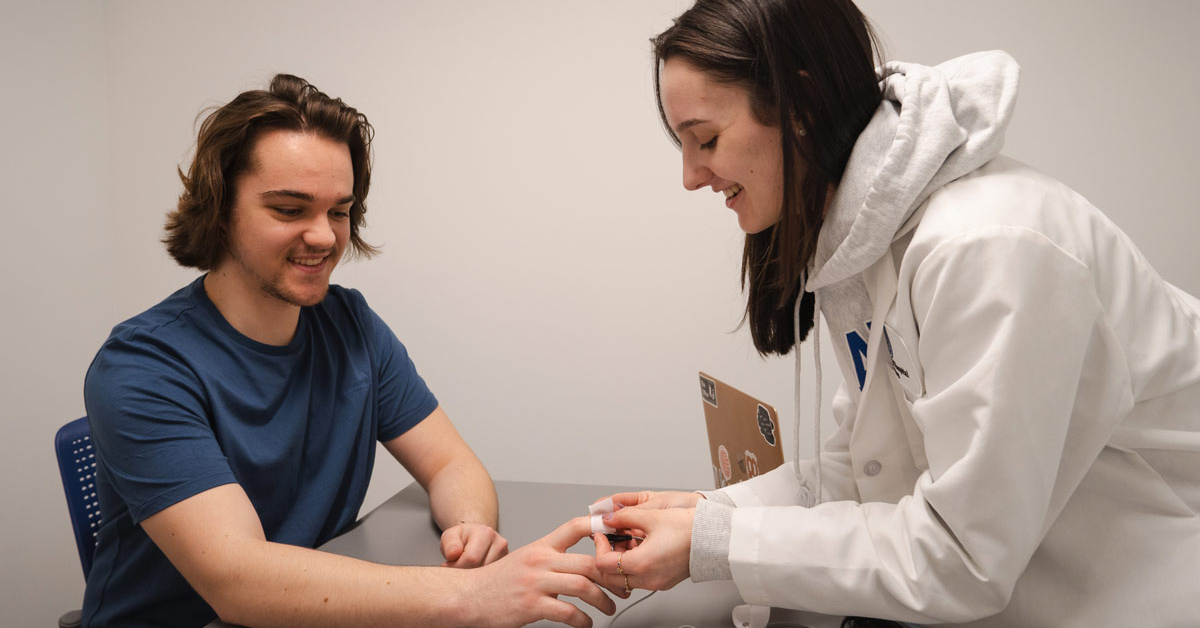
[
  {"x": 632, "y": 498},
  {"x": 641, "y": 519}
]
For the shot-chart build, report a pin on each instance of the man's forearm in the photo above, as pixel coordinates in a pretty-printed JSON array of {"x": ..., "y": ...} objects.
[
  {"x": 463, "y": 492},
  {"x": 264, "y": 584}
]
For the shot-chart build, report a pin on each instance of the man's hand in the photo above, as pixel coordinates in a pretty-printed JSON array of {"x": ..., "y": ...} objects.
[
  {"x": 524, "y": 586},
  {"x": 468, "y": 545}
]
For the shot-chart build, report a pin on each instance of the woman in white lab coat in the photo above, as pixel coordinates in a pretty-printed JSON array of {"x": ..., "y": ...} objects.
[{"x": 1018, "y": 438}]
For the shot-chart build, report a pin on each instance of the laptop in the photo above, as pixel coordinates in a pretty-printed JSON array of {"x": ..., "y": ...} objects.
[{"x": 743, "y": 432}]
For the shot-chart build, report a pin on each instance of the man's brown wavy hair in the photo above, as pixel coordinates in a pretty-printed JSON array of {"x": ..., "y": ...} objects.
[{"x": 197, "y": 230}]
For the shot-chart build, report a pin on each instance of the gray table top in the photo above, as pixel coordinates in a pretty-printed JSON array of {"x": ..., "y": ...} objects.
[{"x": 401, "y": 532}]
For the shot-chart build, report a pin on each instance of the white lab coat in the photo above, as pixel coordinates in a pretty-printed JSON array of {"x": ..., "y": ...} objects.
[
  {"x": 1025, "y": 450},
  {"x": 1038, "y": 466}
]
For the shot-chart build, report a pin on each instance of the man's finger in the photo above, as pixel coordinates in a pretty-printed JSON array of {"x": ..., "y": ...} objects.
[
  {"x": 498, "y": 550},
  {"x": 572, "y": 563},
  {"x": 473, "y": 554},
  {"x": 569, "y": 533},
  {"x": 452, "y": 551},
  {"x": 565, "y": 613},
  {"x": 586, "y": 590}
]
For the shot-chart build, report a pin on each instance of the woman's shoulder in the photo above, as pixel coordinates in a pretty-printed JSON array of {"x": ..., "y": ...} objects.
[{"x": 1008, "y": 198}]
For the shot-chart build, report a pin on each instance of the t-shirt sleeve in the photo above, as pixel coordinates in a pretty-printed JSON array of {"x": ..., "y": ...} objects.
[
  {"x": 404, "y": 398},
  {"x": 148, "y": 420}
]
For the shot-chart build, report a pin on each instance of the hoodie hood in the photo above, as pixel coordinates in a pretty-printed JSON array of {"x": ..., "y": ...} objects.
[{"x": 935, "y": 124}]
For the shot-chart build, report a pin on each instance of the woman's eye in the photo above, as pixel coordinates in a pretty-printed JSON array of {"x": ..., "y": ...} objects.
[{"x": 710, "y": 144}]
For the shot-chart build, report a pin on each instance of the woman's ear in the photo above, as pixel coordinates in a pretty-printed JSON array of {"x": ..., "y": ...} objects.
[{"x": 798, "y": 125}]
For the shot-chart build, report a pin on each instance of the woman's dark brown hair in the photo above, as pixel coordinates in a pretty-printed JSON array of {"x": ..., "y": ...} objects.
[
  {"x": 197, "y": 231},
  {"x": 805, "y": 64}
]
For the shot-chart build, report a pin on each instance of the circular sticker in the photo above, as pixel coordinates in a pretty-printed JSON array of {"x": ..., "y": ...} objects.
[
  {"x": 751, "y": 464},
  {"x": 723, "y": 458}
]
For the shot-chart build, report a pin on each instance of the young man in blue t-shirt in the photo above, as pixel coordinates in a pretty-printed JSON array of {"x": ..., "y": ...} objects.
[{"x": 235, "y": 422}]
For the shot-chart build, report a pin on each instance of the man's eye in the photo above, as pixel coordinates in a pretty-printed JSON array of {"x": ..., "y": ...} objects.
[
  {"x": 339, "y": 214},
  {"x": 710, "y": 144},
  {"x": 288, "y": 211}
]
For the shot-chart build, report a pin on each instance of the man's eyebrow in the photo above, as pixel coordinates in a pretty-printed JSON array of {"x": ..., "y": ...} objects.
[{"x": 303, "y": 196}]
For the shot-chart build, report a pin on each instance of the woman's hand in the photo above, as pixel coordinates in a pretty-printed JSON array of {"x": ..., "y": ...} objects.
[
  {"x": 524, "y": 586},
  {"x": 656, "y": 499},
  {"x": 658, "y": 562},
  {"x": 468, "y": 545}
]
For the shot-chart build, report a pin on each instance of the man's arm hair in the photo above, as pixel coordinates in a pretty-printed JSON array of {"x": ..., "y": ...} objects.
[
  {"x": 460, "y": 489},
  {"x": 216, "y": 541}
]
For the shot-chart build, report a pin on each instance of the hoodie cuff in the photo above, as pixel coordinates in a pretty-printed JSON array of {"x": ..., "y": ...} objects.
[
  {"x": 709, "y": 558},
  {"x": 718, "y": 497}
]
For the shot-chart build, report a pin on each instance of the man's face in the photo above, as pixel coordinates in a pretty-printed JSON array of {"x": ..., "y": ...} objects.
[{"x": 291, "y": 220}]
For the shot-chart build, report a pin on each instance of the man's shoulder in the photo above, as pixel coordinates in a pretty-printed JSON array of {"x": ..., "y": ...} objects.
[
  {"x": 342, "y": 294},
  {"x": 170, "y": 311},
  {"x": 157, "y": 347},
  {"x": 346, "y": 311},
  {"x": 172, "y": 325},
  {"x": 345, "y": 303}
]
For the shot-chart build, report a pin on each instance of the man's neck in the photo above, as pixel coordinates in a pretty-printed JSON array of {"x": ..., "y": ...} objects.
[{"x": 254, "y": 313}]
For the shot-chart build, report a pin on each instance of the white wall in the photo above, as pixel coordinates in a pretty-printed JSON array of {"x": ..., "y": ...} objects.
[
  {"x": 59, "y": 258},
  {"x": 556, "y": 286}
]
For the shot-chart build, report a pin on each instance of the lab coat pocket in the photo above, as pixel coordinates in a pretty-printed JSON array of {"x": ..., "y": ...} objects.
[
  {"x": 908, "y": 384},
  {"x": 906, "y": 371}
]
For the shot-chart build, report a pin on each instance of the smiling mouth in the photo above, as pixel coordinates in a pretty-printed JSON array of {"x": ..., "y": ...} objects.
[
  {"x": 308, "y": 261},
  {"x": 732, "y": 191}
]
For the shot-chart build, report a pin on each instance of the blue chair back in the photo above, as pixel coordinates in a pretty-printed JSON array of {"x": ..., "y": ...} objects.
[{"x": 77, "y": 465}]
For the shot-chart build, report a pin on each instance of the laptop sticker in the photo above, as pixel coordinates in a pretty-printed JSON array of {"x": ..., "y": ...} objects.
[
  {"x": 708, "y": 390},
  {"x": 751, "y": 464},
  {"x": 765, "y": 425},
  {"x": 726, "y": 466}
]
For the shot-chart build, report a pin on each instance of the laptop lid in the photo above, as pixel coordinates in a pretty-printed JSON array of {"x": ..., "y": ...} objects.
[{"x": 743, "y": 432}]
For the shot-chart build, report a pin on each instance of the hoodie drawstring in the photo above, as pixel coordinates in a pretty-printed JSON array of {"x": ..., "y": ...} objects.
[{"x": 815, "y": 334}]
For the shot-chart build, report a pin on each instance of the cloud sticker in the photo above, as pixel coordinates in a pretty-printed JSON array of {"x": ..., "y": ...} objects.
[{"x": 766, "y": 425}]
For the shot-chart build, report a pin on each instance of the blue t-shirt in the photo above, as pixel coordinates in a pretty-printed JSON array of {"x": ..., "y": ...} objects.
[{"x": 180, "y": 402}]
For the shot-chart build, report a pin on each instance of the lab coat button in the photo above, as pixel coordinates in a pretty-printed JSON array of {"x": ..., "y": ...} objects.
[{"x": 872, "y": 468}]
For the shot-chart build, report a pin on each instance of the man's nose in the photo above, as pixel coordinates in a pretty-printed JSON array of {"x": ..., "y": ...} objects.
[{"x": 320, "y": 234}]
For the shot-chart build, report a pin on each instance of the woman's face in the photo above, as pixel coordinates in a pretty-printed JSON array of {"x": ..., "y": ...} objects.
[{"x": 724, "y": 146}]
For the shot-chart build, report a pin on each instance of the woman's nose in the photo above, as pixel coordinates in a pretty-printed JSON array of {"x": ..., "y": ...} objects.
[{"x": 695, "y": 175}]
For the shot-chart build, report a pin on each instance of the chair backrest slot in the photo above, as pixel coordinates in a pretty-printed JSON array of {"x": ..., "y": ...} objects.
[{"x": 77, "y": 466}]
